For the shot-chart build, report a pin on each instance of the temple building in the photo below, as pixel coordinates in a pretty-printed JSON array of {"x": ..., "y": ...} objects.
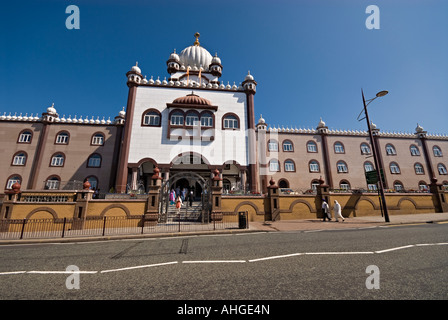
[{"x": 190, "y": 124}]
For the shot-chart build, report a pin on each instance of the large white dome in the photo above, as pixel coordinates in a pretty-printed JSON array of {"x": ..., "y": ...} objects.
[{"x": 195, "y": 56}]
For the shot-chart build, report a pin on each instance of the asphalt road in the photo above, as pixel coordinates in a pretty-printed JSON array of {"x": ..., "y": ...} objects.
[{"x": 402, "y": 262}]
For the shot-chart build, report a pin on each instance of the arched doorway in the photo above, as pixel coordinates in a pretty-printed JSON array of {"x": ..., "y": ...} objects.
[{"x": 196, "y": 193}]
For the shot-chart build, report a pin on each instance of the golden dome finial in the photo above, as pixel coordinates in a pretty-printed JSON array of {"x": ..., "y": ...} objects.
[{"x": 197, "y": 35}]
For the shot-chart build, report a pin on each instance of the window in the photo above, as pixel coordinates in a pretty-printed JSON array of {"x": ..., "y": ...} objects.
[
  {"x": 414, "y": 150},
  {"x": 422, "y": 186},
  {"x": 287, "y": 146},
  {"x": 283, "y": 184},
  {"x": 57, "y": 160},
  {"x": 314, "y": 185},
  {"x": 191, "y": 119},
  {"x": 339, "y": 147},
  {"x": 206, "y": 120},
  {"x": 368, "y": 166},
  {"x": 390, "y": 150},
  {"x": 274, "y": 165},
  {"x": 372, "y": 187},
  {"x": 230, "y": 122},
  {"x": 442, "y": 169},
  {"x": 25, "y": 137},
  {"x": 342, "y": 167},
  {"x": 52, "y": 183},
  {"x": 272, "y": 146},
  {"x": 289, "y": 166},
  {"x": 419, "y": 169},
  {"x": 177, "y": 118},
  {"x": 344, "y": 185},
  {"x": 314, "y": 166},
  {"x": 19, "y": 159},
  {"x": 394, "y": 168},
  {"x": 62, "y": 138},
  {"x": 151, "y": 118},
  {"x": 12, "y": 180},
  {"x": 93, "y": 182},
  {"x": 398, "y": 186},
  {"x": 94, "y": 161},
  {"x": 311, "y": 146},
  {"x": 437, "y": 151},
  {"x": 98, "y": 139},
  {"x": 365, "y": 148}
]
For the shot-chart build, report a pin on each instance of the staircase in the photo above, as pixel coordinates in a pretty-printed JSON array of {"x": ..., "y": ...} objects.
[{"x": 187, "y": 213}]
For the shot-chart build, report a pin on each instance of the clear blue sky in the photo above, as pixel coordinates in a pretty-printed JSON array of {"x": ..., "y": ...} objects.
[{"x": 310, "y": 58}]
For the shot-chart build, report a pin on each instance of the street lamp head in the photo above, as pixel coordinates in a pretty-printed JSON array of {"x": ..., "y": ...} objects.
[{"x": 382, "y": 93}]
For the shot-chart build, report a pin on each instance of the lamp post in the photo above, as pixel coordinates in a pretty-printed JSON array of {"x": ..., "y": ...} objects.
[{"x": 374, "y": 151}]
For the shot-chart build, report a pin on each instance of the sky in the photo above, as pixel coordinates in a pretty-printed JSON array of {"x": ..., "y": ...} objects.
[{"x": 311, "y": 59}]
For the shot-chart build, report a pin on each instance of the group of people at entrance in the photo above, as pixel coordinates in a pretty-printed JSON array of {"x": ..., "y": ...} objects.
[
  {"x": 327, "y": 213},
  {"x": 179, "y": 195}
]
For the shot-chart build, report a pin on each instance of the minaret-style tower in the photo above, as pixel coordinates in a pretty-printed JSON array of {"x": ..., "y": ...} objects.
[{"x": 250, "y": 87}]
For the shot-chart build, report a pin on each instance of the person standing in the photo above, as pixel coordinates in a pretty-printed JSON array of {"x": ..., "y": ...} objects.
[
  {"x": 178, "y": 204},
  {"x": 325, "y": 211},
  {"x": 337, "y": 211}
]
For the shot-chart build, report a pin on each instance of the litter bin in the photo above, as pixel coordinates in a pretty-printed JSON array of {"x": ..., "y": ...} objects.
[{"x": 242, "y": 220}]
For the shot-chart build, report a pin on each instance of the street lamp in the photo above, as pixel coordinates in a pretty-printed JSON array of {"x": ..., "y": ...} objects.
[{"x": 374, "y": 151}]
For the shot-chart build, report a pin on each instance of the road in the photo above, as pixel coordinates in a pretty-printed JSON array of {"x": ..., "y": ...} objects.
[{"x": 397, "y": 262}]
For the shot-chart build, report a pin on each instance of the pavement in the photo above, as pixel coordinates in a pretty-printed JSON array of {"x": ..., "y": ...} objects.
[
  {"x": 352, "y": 222},
  {"x": 269, "y": 226}
]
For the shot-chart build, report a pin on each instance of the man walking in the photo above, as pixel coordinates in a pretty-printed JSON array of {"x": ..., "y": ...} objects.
[{"x": 325, "y": 211}]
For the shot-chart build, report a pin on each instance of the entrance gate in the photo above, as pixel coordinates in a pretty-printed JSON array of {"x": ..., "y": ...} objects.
[{"x": 200, "y": 208}]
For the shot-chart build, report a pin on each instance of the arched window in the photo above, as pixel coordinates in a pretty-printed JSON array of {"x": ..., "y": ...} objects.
[
  {"x": 25, "y": 136},
  {"x": 207, "y": 120},
  {"x": 230, "y": 122},
  {"x": 394, "y": 168},
  {"x": 442, "y": 169},
  {"x": 314, "y": 184},
  {"x": 57, "y": 160},
  {"x": 151, "y": 118},
  {"x": 437, "y": 151},
  {"x": 344, "y": 185},
  {"x": 398, "y": 186},
  {"x": 290, "y": 166},
  {"x": 311, "y": 146},
  {"x": 272, "y": 145},
  {"x": 390, "y": 150},
  {"x": 62, "y": 138},
  {"x": 191, "y": 119},
  {"x": 339, "y": 147},
  {"x": 314, "y": 166},
  {"x": 368, "y": 166},
  {"x": 365, "y": 148},
  {"x": 288, "y": 146},
  {"x": 342, "y": 167},
  {"x": 93, "y": 182},
  {"x": 419, "y": 168},
  {"x": 98, "y": 139},
  {"x": 283, "y": 183},
  {"x": 414, "y": 150},
  {"x": 94, "y": 161},
  {"x": 177, "y": 118},
  {"x": 52, "y": 183},
  {"x": 274, "y": 165},
  {"x": 13, "y": 179},
  {"x": 19, "y": 159},
  {"x": 423, "y": 186}
]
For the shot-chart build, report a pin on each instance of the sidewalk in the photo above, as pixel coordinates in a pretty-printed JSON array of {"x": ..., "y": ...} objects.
[{"x": 353, "y": 222}]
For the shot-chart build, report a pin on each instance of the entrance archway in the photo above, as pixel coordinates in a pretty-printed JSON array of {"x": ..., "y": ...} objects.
[{"x": 187, "y": 184}]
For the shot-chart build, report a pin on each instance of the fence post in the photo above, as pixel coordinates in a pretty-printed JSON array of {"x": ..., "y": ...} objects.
[
  {"x": 63, "y": 227},
  {"x": 143, "y": 222},
  {"x": 104, "y": 225},
  {"x": 23, "y": 228}
]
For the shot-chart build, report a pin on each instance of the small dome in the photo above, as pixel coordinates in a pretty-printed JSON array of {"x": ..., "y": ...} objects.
[
  {"x": 193, "y": 99},
  {"x": 51, "y": 110},
  {"x": 321, "y": 124},
  {"x": 136, "y": 68},
  {"x": 261, "y": 120},
  {"x": 122, "y": 113},
  {"x": 216, "y": 59},
  {"x": 249, "y": 76},
  {"x": 419, "y": 128},
  {"x": 174, "y": 56}
]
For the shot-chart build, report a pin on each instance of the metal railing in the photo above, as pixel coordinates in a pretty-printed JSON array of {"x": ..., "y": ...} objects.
[{"x": 109, "y": 226}]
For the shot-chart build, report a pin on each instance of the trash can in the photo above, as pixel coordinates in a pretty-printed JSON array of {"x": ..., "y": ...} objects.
[{"x": 242, "y": 220}]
